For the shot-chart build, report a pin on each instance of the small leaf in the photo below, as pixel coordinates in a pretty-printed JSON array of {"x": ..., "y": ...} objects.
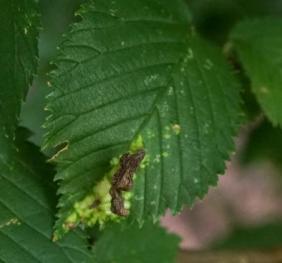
[
  {"x": 258, "y": 43},
  {"x": 128, "y": 243},
  {"x": 131, "y": 69}
]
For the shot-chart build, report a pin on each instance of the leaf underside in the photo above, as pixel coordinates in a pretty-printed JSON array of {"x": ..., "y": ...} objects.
[
  {"x": 258, "y": 43},
  {"x": 131, "y": 68}
]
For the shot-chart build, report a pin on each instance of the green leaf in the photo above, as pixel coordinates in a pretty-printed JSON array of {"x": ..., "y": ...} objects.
[
  {"x": 18, "y": 62},
  {"x": 258, "y": 43},
  {"x": 132, "y": 70},
  {"x": 27, "y": 206},
  {"x": 27, "y": 195},
  {"x": 122, "y": 243}
]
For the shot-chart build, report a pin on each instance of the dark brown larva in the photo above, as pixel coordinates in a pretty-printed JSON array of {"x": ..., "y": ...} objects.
[
  {"x": 117, "y": 204},
  {"x": 123, "y": 180}
]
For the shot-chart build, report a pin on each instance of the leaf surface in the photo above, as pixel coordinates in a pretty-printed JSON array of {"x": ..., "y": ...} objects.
[
  {"x": 27, "y": 193},
  {"x": 18, "y": 63},
  {"x": 27, "y": 208},
  {"x": 122, "y": 243},
  {"x": 258, "y": 43},
  {"x": 133, "y": 68}
]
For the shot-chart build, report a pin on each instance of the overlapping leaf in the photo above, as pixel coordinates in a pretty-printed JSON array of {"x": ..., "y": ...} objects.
[
  {"x": 18, "y": 49},
  {"x": 130, "y": 68},
  {"x": 258, "y": 43},
  {"x": 27, "y": 197},
  {"x": 27, "y": 208},
  {"x": 131, "y": 244}
]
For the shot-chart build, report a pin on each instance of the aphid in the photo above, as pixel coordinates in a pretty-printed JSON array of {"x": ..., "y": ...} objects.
[{"x": 123, "y": 180}]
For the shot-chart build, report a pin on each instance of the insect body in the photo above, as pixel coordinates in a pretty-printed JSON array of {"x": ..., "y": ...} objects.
[
  {"x": 117, "y": 203},
  {"x": 123, "y": 180}
]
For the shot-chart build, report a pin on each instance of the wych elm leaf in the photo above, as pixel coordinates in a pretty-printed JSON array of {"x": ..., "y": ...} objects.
[{"x": 134, "y": 68}]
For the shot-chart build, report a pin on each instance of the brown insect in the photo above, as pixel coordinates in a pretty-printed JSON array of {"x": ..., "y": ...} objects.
[
  {"x": 117, "y": 204},
  {"x": 123, "y": 180}
]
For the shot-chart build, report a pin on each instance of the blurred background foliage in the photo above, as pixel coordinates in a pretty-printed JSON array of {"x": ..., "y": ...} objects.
[{"x": 254, "y": 175}]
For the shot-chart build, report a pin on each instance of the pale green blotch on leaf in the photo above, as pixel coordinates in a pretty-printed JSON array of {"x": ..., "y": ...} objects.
[{"x": 95, "y": 208}]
